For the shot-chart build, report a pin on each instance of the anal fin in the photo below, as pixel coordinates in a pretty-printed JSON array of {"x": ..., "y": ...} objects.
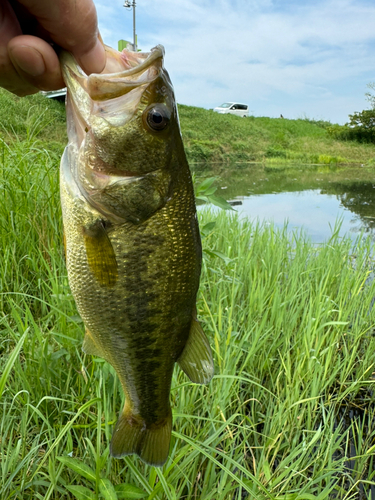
[
  {"x": 196, "y": 358},
  {"x": 149, "y": 441},
  {"x": 89, "y": 346}
]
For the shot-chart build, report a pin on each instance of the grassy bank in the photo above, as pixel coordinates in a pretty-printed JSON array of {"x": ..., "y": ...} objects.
[
  {"x": 289, "y": 414},
  {"x": 32, "y": 117},
  {"x": 208, "y": 136}
]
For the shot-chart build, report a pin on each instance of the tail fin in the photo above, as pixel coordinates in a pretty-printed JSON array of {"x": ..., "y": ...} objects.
[{"x": 149, "y": 442}]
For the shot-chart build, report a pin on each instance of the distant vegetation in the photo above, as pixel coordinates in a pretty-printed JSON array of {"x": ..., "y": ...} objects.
[
  {"x": 361, "y": 125},
  {"x": 211, "y": 137},
  {"x": 360, "y": 128},
  {"x": 208, "y": 136}
]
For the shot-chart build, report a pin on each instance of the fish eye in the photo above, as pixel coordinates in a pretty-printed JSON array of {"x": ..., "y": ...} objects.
[{"x": 157, "y": 117}]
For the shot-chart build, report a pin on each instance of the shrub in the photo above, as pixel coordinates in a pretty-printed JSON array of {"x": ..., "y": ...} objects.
[
  {"x": 327, "y": 159},
  {"x": 361, "y": 127},
  {"x": 275, "y": 152}
]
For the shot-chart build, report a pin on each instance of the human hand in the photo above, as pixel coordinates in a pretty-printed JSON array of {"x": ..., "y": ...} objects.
[{"x": 28, "y": 62}]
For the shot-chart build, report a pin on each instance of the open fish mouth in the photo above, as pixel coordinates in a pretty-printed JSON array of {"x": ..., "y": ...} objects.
[
  {"x": 123, "y": 71},
  {"x": 121, "y": 125},
  {"x": 115, "y": 94}
]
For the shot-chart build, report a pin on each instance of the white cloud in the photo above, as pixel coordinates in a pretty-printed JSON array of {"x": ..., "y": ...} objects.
[{"x": 300, "y": 57}]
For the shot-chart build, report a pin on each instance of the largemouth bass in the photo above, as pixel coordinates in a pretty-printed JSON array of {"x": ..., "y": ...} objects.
[{"x": 132, "y": 242}]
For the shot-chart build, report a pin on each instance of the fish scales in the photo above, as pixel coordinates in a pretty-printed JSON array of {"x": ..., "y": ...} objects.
[{"x": 133, "y": 248}]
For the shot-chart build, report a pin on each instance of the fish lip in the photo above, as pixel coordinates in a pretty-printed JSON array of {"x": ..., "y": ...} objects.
[
  {"x": 104, "y": 86},
  {"x": 155, "y": 53}
]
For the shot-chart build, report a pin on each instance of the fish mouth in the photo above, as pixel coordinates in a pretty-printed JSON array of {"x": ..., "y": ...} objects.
[
  {"x": 106, "y": 107},
  {"x": 114, "y": 94},
  {"x": 123, "y": 71}
]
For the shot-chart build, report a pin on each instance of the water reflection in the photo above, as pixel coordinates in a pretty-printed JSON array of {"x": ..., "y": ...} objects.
[
  {"x": 310, "y": 210},
  {"x": 308, "y": 197}
]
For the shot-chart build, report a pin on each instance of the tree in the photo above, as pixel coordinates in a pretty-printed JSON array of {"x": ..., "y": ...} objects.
[
  {"x": 362, "y": 123},
  {"x": 362, "y": 126},
  {"x": 369, "y": 95}
]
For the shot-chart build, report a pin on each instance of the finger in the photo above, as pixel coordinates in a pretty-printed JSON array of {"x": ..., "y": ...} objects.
[
  {"x": 35, "y": 62},
  {"x": 10, "y": 28},
  {"x": 92, "y": 61},
  {"x": 73, "y": 25},
  {"x": 11, "y": 80},
  {"x": 9, "y": 25}
]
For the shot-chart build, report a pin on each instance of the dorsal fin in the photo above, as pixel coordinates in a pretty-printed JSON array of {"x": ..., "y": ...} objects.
[{"x": 196, "y": 358}]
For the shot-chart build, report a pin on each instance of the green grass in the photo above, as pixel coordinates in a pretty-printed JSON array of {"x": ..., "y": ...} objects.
[
  {"x": 289, "y": 414},
  {"x": 211, "y": 137},
  {"x": 32, "y": 116},
  {"x": 208, "y": 136}
]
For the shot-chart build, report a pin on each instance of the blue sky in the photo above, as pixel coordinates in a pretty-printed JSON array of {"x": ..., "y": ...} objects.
[{"x": 301, "y": 58}]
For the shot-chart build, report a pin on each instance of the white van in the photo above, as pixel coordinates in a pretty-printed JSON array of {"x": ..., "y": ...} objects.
[{"x": 233, "y": 108}]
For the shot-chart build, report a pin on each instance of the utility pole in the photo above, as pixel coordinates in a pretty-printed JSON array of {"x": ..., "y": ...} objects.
[{"x": 128, "y": 5}]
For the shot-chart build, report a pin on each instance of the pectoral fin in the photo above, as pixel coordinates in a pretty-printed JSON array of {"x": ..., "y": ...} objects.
[
  {"x": 100, "y": 254},
  {"x": 196, "y": 358}
]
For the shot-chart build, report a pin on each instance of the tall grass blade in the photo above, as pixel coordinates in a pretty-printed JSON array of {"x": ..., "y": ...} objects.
[
  {"x": 11, "y": 360},
  {"x": 107, "y": 490},
  {"x": 129, "y": 491},
  {"x": 78, "y": 466},
  {"x": 81, "y": 492}
]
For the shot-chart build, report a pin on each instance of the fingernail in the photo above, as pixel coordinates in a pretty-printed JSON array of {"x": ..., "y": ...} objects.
[
  {"x": 28, "y": 60},
  {"x": 93, "y": 61}
]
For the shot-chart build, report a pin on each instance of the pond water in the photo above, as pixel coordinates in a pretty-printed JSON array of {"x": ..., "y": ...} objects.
[{"x": 310, "y": 197}]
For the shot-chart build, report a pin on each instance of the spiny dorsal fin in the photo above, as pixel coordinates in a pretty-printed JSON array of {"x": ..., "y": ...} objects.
[
  {"x": 196, "y": 358},
  {"x": 100, "y": 254}
]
